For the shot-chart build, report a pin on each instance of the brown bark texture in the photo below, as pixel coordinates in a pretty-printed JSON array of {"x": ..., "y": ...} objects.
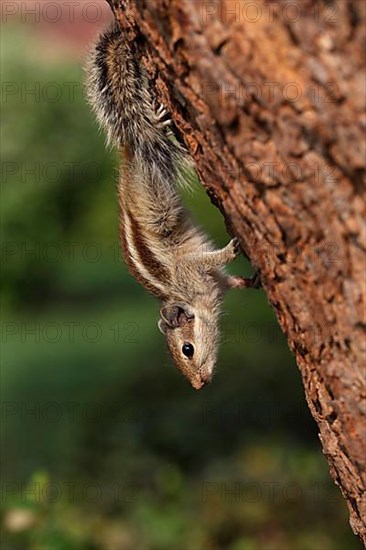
[{"x": 269, "y": 97}]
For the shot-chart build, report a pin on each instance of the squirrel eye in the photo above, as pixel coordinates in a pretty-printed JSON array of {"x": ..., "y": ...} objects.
[{"x": 188, "y": 350}]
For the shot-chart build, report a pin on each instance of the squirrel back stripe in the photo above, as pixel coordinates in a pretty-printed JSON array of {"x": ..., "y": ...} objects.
[{"x": 136, "y": 259}]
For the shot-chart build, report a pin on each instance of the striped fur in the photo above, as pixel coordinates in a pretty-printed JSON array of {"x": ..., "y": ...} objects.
[{"x": 162, "y": 247}]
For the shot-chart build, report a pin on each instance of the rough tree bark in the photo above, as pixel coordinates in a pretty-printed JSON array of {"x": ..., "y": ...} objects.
[{"x": 269, "y": 97}]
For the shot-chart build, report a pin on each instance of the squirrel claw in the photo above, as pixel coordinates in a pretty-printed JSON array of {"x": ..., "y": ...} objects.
[
  {"x": 235, "y": 245},
  {"x": 161, "y": 111},
  {"x": 160, "y": 117}
]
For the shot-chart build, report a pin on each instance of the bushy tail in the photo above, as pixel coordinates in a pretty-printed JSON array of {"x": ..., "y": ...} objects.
[{"x": 120, "y": 95}]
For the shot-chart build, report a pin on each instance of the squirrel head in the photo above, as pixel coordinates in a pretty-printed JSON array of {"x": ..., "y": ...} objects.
[{"x": 192, "y": 337}]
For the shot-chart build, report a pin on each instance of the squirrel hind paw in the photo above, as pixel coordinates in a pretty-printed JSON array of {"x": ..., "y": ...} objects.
[
  {"x": 244, "y": 282},
  {"x": 162, "y": 117}
]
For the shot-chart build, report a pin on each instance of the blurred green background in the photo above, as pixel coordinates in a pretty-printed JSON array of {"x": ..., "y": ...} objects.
[{"x": 105, "y": 445}]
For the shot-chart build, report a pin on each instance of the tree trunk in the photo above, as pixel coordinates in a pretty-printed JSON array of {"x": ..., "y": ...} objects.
[{"x": 269, "y": 98}]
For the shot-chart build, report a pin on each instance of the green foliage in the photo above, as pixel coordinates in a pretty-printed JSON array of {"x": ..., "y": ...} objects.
[{"x": 106, "y": 445}]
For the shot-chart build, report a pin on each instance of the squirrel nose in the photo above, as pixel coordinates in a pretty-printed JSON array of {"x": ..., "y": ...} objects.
[
  {"x": 197, "y": 384},
  {"x": 201, "y": 380},
  {"x": 205, "y": 377}
]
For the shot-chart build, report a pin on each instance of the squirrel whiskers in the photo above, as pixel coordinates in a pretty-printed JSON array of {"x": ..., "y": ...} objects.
[{"x": 162, "y": 247}]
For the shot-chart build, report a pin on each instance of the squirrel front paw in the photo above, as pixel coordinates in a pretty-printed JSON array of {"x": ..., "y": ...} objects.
[{"x": 233, "y": 249}]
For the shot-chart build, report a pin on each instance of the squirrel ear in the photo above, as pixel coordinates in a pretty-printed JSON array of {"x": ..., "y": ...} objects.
[
  {"x": 170, "y": 314},
  {"x": 175, "y": 315},
  {"x": 162, "y": 326}
]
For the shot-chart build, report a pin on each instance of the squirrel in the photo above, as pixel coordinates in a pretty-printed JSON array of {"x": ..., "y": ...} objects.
[{"x": 162, "y": 247}]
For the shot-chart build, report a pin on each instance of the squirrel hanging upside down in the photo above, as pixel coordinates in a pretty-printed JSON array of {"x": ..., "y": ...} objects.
[{"x": 163, "y": 249}]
